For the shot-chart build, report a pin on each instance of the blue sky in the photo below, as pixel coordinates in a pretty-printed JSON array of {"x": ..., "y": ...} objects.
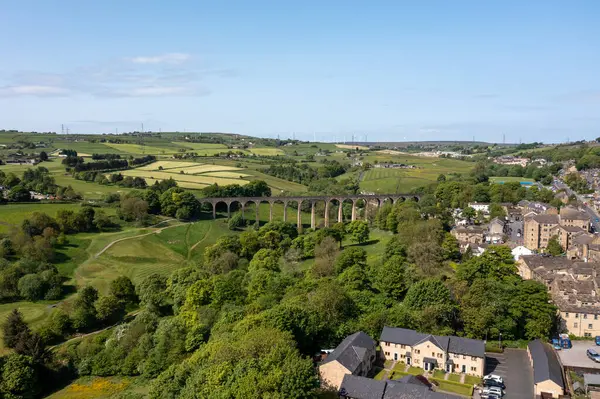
[{"x": 386, "y": 70}]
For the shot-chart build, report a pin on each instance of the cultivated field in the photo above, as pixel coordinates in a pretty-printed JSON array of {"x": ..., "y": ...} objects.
[
  {"x": 183, "y": 177},
  {"x": 266, "y": 151}
]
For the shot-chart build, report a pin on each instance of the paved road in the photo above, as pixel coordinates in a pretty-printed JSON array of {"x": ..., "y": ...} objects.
[{"x": 513, "y": 365}]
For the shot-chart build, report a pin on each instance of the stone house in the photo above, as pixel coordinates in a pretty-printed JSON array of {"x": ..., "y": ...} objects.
[
  {"x": 547, "y": 371},
  {"x": 430, "y": 352},
  {"x": 354, "y": 355}
]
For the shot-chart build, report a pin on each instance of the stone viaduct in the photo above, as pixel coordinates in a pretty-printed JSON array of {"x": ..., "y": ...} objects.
[{"x": 369, "y": 200}]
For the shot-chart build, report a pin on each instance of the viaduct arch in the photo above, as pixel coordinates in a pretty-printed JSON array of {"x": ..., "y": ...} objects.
[{"x": 370, "y": 201}]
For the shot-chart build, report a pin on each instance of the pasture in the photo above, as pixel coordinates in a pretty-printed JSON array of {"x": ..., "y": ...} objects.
[
  {"x": 266, "y": 151},
  {"x": 14, "y": 214},
  {"x": 510, "y": 179},
  {"x": 154, "y": 251}
]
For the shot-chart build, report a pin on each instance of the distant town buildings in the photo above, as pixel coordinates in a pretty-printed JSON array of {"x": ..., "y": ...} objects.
[{"x": 511, "y": 160}]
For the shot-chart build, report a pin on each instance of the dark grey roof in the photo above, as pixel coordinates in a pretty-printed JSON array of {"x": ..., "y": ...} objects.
[
  {"x": 352, "y": 350},
  {"x": 361, "y": 387},
  {"x": 545, "y": 364},
  {"x": 459, "y": 345},
  {"x": 429, "y": 360},
  {"x": 548, "y": 219},
  {"x": 409, "y": 390}
]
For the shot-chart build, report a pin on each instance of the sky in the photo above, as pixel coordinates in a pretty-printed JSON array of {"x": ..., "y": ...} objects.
[{"x": 519, "y": 71}]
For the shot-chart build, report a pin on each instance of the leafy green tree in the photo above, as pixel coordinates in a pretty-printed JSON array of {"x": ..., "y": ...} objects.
[
  {"x": 123, "y": 289},
  {"x": 109, "y": 309},
  {"x": 390, "y": 277},
  {"x": 430, "y": 291},
  {"x": 19, "y": 378},
  {"x": 13, "y": 327},
  {"x": 151, "y": 292},
  {"x": 236, "y": 221},
  {"x": 349, "y": 257},
  {"x": 469, "y": 213},
  {"x": 497, "y": 211},
  {"x": 554, "y": 248},
  {"x": 18, "y": 194},
  {"x": 265, "y": 259},
  {"x": 57, "y": 326},
  {"x": 496, "y": 263},
  {"x": 359, "y": 231},
  {"x": 84, "y": 311},
  {"x": 31, "y": 287},
  {"x": 451, "y": 248}
]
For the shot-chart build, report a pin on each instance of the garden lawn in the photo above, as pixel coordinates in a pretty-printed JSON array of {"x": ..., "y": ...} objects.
[
  {"x": 415, "y": 370},
  {"x": 454, "y": 377},
  {"x": 471, "y": 380},
  {"x": 453, "y": 387}
]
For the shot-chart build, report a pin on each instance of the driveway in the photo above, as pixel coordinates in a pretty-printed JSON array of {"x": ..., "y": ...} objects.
[{"x": 513, "y": 365}]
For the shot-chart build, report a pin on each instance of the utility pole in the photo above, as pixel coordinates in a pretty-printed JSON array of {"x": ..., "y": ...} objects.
[
  {"x": 503, "y": 138},
  {"x": 62, "y": 129}
]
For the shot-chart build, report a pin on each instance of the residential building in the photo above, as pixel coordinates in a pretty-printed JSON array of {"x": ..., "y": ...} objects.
[
  {"x": 574, "y": 287},
  {"x": 480, "y": 206},
  {"x": 354, "y": 355},
  {"x": 476, "y": 249},
  {"x": 547, "y": 371},
  {"x": 519, "y": 251},
  {"x": 469, "y": 234},
  {"x": 495, "y": 232},
  {"x": 585, "y": 247},
  {"x": 537, "y": 207},
  {"x": 408, "y": 387},
  {"x": 449, "y": 353},
  {"x": 562, "y": 196},
  {"x": 539, "y": 228}
]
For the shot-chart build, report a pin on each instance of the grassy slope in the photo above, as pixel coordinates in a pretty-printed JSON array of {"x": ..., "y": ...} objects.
[
  {"x": 33, "y": 313},
  {"x": 101, "y": 388}
]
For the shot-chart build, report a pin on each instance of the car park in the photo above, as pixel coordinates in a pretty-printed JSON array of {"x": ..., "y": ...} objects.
[{"x": 592, "y": 354}]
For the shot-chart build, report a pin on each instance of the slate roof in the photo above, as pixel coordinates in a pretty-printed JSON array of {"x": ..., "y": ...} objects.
[
  {"x": 545, "y": 364},
  {"x": 407, "y": 387},
  {"x": 547, "y": 219},
  {"x": 352, "y": 350},
  {"x": 459, "y": 345},
  {"x": 361, "y": 387}
]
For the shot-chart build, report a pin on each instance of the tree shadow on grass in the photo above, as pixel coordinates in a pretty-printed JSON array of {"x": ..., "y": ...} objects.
[{"x": 370, "y": 242}]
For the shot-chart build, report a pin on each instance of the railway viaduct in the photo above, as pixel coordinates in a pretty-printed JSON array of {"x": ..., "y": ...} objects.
[{"x": 369, "y": 200}]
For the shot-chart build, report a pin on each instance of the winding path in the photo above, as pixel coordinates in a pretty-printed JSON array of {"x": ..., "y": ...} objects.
[{"x": 110, "y": 244}]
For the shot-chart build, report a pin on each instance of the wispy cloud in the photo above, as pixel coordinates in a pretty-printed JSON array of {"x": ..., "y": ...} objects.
[
  {"x": 167, "y": 75},
  {"x": 170, "y": 58},
  {"x": 582, "y": 96},
  {"x": 33, "y": 90}
]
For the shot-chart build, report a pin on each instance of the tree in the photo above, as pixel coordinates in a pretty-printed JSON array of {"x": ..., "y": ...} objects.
[
  {"x": 31, "y": 287},
  {"x": 13, "y": 327},
  {"x": 497, "y": 211},
  {"x": 19, "y": 194},
  {"x": 469, "y": 213},
  {"x": 451, "y": 248},
  {"x": 431, "y": 291},
  {"x": 236, "y": 221},
  {"x": 43, "y": 156},
  {"x": 554, "y": 248},
  {"x": 359, "y": 231},
  {"x": 109, "y": 309},
  {"x": 123, "y": 289},
  {"x": 19, "y": 378},
  {"x": 151, "y": 292},
  {"x": 265, "y": 259},
  {"x": 84, "y": 311},
  {"x": 349, "y": 257},
  {"x": 102, "y": 221},
  {"x": 496, "y": 263},
  {"x": 390, "y": 277},
  {"x": 325, "y": 254}
]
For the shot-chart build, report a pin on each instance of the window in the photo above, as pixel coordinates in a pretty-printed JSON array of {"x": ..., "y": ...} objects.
[
  {"x": 454, "y": 355},
  {"x": 417, "y": 351},
  {"x": 575, "y": 325},
  {"x": 403, "y": 346},
  {"x": 473, "y": 358},
  {"x": 432, "y": 354},
  {"x": 590, "y": 327},
  {"x": 567, "y": 315},
  {"x": 595, "y": 317},
  {"x": 585, "y": 314},
  {"x": 576, "y": 315},
  {"x": 386, "y": 343},
  {"x": 473, "y": 368},
  {"x": 587, "y": 334},
  {"x": 387, "y": 353},
  {"x": 464, "y": 357},
  {"x": 395, "y": 345}
]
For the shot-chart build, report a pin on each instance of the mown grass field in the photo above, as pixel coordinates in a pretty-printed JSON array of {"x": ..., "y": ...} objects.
[
  {"x": 140, "y": 256},
  {"x": 14, "y": 214},
  {"x": 383, "y": 180},
  {"x": 510, "y": 179},
  {"x": 266, "y": 151}
]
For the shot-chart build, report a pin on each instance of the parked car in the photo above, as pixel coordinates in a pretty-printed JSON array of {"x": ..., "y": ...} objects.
[
  {"x": 494, "y": 377},
  {"x": 597, "y": 340},
  {"x": 493, "y": 383},
  {"x": 592, "y": 354},
  {"x": 556, "y": 344},
  {"x": 492, "y": 391}
]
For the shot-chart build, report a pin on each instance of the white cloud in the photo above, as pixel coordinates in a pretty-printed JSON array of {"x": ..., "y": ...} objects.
[
  {"x": 155, "y": 91},
  {"x": 170, "y": 58},
  {"x": 33, "y": 90}
]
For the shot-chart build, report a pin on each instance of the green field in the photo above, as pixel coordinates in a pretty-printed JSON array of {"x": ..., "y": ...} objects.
[
  {"x": 510, "y": 179},
  {"x": 266, "y": 151},
  {"x": 14, "y": 214},
  {"x": 140, "y": 256}
]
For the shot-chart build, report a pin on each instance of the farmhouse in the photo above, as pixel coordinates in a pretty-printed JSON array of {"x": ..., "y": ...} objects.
[
  {"x": 547, "y": 371},
  {"x": 452, "y": 354},
  {"x": 355, "y": 355}
]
